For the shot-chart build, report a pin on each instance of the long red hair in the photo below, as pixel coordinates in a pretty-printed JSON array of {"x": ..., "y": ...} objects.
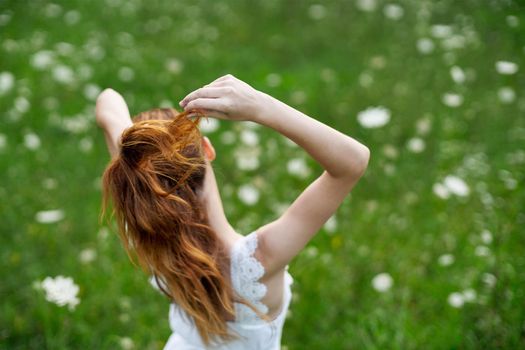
[{"x": 153, "y": 185}]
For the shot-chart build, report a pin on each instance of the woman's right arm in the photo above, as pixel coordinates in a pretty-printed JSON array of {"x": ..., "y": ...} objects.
[
  {"x": 112, "y": 115},
  {"x": 343, "y": 158}
]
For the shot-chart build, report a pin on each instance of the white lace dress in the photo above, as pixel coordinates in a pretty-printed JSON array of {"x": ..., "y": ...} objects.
[{"x": 256, "y": 334}]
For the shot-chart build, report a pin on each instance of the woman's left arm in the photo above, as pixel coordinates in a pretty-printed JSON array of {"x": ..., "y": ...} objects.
[{"x": 112, "y": 115}]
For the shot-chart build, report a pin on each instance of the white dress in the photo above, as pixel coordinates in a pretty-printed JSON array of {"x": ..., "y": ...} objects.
[{"x": 256, "y": 334}]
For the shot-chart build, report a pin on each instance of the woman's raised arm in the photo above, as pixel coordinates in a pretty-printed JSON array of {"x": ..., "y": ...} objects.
[
  {"x": 112, "y": 115},
  {"x": 343, "y": 158}
]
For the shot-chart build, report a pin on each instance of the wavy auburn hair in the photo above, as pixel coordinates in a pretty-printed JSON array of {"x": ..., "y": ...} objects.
[{"x": 153, "y": 185}]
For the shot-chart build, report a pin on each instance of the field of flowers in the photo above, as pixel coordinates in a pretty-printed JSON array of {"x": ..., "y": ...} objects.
[{"x": 427, "y": 252}]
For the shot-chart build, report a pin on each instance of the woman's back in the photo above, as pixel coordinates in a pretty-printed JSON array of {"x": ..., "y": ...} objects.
[
  {"x": 270, "y": 294},
  {"x": 181, "y": 225}
]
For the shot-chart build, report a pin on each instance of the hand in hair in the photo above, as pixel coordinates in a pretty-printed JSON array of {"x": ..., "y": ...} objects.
[{"x": 227, "y": 98}]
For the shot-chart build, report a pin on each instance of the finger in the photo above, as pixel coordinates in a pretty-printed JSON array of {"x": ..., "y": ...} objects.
[
  {"x": 205, "y": 92},
  {"x": 209, "y": 113},
  {"x": 206, "y": 103}
]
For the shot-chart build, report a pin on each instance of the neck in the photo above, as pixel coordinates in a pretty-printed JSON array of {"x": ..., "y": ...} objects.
[{"x": 212, "y": 200}]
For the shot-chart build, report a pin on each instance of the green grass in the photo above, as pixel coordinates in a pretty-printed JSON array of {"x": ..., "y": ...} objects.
[{"x": 392, "y": 222}]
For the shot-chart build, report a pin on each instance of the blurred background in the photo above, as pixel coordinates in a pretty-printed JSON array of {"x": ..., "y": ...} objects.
[{"x": 426, "y": 251}]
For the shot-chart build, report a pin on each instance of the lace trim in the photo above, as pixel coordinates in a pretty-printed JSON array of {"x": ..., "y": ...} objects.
[{"x": 246, "y": 271}]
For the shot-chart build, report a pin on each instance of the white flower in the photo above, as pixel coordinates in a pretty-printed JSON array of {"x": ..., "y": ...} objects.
[
  {"x": 374, "y": 117},
  {"x": 441, "y": 31},
  {"x": 52, "y": 10},
  {"x": 91, "y": 91},
  {"x": 85, "y": 144},
  {"x": 42, "y": 59},
  {"x": 49, "y": 183},
  {"x": 174, "y": 65},
  {"x": 126, "y": 343},
  {"x": 365, "y": 79},
  {"x": 22, "y": 104},
  {"x": 64, "y": 49},
  {"x": 249, "y": 137},
  {"x": 317, "y": 11},
  {"x": 5, "y": 18},
  {"x": 446, "y": 259},
  {"x": 124, "y": 317},
  {"x": 76, "y": 124},
  {"x": 425, "y": 45},
  {"x": 452, "y": 100},
  {"x": 366, "y": 5},
  {"x": 247, "y": 159},
  {"x": 506, "y": 67},
  {"x": 298, "y": 97},
  {"x": 416, "y": 145},
  {"x": 423, "y": 125},
  {"x": 7, "y": 80},
  {"x": 31, "y": 141},
  {"x": 248, "y": 194},
  {"x": 95, "y": 51},
  {"x": 453, "y": 42},
  {"x": 208, "y": 125},
  {"x": 506, "y": 94},
  {"x": 63, "y": 74},
  {"x": 311, "y": 252},
  {"x": 456, "y": 185},
  {"x": 457, "y": 74},
  {"x": 390, "y": 151},
  {"x": 441, "y": 190},
  {"x": 482, "y": 250},
  {"x": 382, "y": 282},
  {"x": 126, "y": 74},
  {"x": 103, "y": 233},
  {"x": 393, "y": 11},
  {"x": 87, "y": 255},
  {"x": 61, "y": 291},
  {"x": 72, "y": 17},
  {"x": 456, "y": 300},
  {"x": 512, "y": 21},
  {"x": 228, "y": 137},
  {"x": 489, "y": 279},
  {"x": 486, "y": 236},
  {"x": 3, "y": 141},
  {"x": 469, "y": 295},
  {"x": 273, "y": 79},
  {"x": 251, "y": 125},
  {"x": 378, "y": 62},
  {"x": 331, "y": 224},
  {"x": 298, "y": 167},
  {"x": 49, "y": 216}
]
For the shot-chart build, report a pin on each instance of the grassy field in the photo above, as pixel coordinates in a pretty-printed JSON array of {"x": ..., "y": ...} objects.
[{"x": 427, "y": 252}]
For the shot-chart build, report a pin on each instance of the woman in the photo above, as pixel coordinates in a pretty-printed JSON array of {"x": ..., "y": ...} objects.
[{"x": 228, "y": 291}]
